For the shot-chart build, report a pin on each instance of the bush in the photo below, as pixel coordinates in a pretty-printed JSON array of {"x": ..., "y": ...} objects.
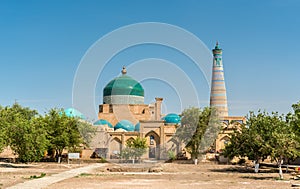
[{"x": 171, "y": 155}]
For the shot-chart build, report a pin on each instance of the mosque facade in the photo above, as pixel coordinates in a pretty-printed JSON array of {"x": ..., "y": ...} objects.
[{"x": 124, "y": 116}]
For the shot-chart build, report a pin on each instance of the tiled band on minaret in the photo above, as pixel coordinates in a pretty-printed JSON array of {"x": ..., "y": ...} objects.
[{"x": 218, "y": 97}]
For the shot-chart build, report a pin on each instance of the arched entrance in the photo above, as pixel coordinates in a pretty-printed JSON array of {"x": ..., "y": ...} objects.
[
  {"x": 115, "y": 147},
  {"x": 153, "y": 143}
]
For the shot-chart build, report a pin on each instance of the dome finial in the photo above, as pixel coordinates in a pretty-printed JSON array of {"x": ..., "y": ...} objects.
[
  {"x": 124, "y": 71},
  {"x": 217, "y": 45}
]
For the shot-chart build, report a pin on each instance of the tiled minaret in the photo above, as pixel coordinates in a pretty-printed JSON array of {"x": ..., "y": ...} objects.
[{"x": 218, "y": 97}]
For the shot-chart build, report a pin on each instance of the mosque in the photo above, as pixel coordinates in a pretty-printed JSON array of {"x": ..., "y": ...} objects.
[{"x": 124, "y": 116}]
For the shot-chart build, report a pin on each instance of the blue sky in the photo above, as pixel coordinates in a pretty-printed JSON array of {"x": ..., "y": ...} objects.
[{"x": 42, "y": 43}]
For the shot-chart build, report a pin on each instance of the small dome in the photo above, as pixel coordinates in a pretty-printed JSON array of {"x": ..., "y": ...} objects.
[
  {"x": 124, "y": 124},
  {"x": 103, "y": 122},
  {"x": 137, "y": 127},
  {"x": 71, "y": 112},
  {"x": 172, "y": 118}
]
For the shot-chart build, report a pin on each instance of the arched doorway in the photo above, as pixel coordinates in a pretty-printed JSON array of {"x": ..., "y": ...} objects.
[
  {"x": 115, "y": 147},
  {"x": 153, "y": 144}
]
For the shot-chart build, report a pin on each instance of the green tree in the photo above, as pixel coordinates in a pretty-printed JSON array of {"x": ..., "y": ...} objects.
[
  {"x": 62, "y": 131},
  {"x": 283, "y": 143},
  {"x": 198, "y": 130},
  {"x": 3, "y": 129},
  {"x": 189, "y": 122},
  {"x": 87, "y": 131},
  {"x": 248, "y": 141},
  {"x": 25, "y": 132},
  {"x": 294, "y": 120},
  {"x": 264, "y": 136},
  {"x": 134, "y": 148}
]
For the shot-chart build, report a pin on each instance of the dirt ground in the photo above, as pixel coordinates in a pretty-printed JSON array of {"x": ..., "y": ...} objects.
[
  {"x": 11, "y": 174},
  {"x": 161, "y": 175}
]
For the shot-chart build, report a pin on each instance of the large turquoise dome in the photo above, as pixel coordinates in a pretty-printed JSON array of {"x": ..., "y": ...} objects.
[
  {"x": 101, "y": 122},
  {"x": 71, "y": 112},
  {"x": 124, "y": 124},
  {"x": 123, "y": 90},
  {"x": 172, "y": 119}
]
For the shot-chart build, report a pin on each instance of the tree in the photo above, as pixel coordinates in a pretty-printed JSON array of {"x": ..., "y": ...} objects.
[
  {"x": 264, "y": 136},
  {"x": 25, "y": 132},
  {"x": 283, "y": 143},
  {"x": 134, "y": 148},
  {"x": 62, "y": 131},
  {"x": 249, "y": 140},
  {"x": 294, "y": 120},
  {"x": 189, "y": 122},
  {"x": 3, "y": 129},
  {"x": 87, "y": 131},
  {"x": 198, "y": 130}
]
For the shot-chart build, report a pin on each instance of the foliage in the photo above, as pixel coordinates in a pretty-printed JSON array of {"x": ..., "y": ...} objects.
[
  {"x": 198, "y": 130},
  {"x": 30, "y": 135},
  {"x": 249, "y": 140},
  {"x": 294, "y": 120},
  {"x": 134, "y": 148},
  {"x": 264, "y": 136},
  {"x": 3, "y": 129},
  {"x": 87, "y": 131},
  {"x": 189, "y": 122},
  {"x": 25, "y": 132},
  {"x": 171, "y": 155},
  {"x": 62, "y": 131},
  {"x": 36, "y": 177}
]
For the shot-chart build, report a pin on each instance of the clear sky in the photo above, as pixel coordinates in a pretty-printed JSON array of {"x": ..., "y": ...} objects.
[{"x": 42, "y": 43}]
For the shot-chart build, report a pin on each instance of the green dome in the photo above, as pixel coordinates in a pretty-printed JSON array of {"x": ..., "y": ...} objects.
[
  {"x": 123, "y": 90},
  {"x": 123, "y": 85}
]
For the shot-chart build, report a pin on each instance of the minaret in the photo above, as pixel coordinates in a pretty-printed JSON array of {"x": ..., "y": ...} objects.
[{"x": 218, "y": 97}]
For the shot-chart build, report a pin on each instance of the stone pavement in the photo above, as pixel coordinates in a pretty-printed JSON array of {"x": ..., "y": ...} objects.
[{"x": 48, "y": 180}]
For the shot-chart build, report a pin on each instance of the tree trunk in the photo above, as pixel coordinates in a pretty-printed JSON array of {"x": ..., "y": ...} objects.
[
  {"x": 256, "y": 166},
  {"x": 196, "y": 161},
  {"x": 280, "y": 169}
]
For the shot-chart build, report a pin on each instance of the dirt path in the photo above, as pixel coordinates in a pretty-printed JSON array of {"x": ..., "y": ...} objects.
[{"x": 48, "y": 180}]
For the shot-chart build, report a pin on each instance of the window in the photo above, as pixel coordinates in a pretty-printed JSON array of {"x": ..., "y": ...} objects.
[
  {"x": 151, "y": 140},
  {"x": 111, "y": 109}
]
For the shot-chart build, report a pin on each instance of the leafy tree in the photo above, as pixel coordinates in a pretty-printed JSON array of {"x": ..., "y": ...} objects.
[
  {"x": 283, "y": 143},
  {"x": 25, "y": 132},
  {"x": 134, "y": 148},
  {"x": 62, "y": 131},
  {"x": 87, "y": 131},
  {"x": 249, "y": 140},
  {"x": 189, "y": 122},
  {"x": 3, "y": 129},
  {"x": 264, "y": 136},
  {"x": 198, "y": 130},
  {"x": 294, "y": 120}
]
